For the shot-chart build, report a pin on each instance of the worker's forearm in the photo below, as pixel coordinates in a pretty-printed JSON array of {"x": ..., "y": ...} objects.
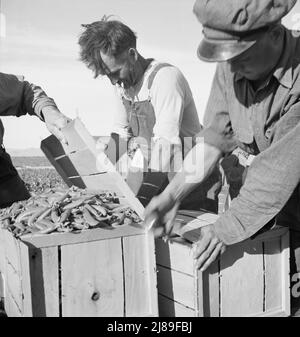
[{"x": 197, "y": 166}]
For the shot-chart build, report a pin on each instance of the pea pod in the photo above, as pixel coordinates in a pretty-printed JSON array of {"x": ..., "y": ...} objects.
[
  {"x": 36, "y": 215},
  {"x": 89, "y": 218}
]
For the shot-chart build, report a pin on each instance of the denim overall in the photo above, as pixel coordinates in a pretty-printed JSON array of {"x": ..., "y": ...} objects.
[{"x": 141, "y": 118}]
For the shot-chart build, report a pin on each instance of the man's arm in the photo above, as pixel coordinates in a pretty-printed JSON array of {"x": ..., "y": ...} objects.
[
  {"x": 271, "y": 180},
  {"x": 19, "y": 98}
]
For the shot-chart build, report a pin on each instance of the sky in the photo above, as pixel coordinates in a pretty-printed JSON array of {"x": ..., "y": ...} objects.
[{"x": 38, "y": 39}]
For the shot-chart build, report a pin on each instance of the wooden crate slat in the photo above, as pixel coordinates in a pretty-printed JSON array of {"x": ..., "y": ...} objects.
[
  {"x": 200, "y": 215},
  {"x": 2, "y": 262},
  {"x": 12, "y": 251},
  {"x": 175, "y": 255},
  {"x": 11, "y": 307},
  {"x": 45, "y": 295},
  {"x": 97, "y": 290},
  {"x": 77, "y": 181},
  {"x": 53, "y": 146},
  {"x": 77, "y": 137},
  {"x": 85, "y": 162},
  {"x": 102, "y": 182},
  {"x": 2, "y": 250},
  {"x": 211, "y": 291},
  {"x": 273, "y": 288},
  {"x": 177, "y": 286},
  {"x": 13, "y": 285},
  {"x": 136, "y": 277},
  {"x": 56, "y": 239},
  {"x": 239, "y": 264},
  {"x": 66, "y": 166},
  {"x": 26, "y": 280},
  {"x": 169, "y": 308},
  {"x": 58, "y": 168}
]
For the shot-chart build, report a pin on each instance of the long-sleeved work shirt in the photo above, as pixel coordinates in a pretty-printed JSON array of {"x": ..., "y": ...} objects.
[
  {"x": 19, "y": 98},
  {"x": 239, "y": 116},
  {"x": 271, "y": 181}
]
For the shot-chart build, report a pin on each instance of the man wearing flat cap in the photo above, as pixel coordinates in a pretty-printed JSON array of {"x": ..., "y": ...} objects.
[{"x": 254, "y": 105}]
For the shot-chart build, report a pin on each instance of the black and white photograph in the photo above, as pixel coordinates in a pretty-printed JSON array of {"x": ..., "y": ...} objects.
[{"x": 149, "y": 161}]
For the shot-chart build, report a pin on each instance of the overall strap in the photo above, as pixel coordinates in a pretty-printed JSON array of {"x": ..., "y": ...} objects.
[{"x": 155, "y": 71}]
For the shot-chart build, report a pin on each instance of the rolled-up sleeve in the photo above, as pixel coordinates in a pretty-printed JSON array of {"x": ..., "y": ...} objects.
[
  {"x": 271, "y": 180},
  {"x": 18, "y": 97},
  {"x": 218, "y": 130}
]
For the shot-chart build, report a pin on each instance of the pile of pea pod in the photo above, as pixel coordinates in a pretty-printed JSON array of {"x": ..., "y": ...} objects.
[{"x": 66, "y": 210}]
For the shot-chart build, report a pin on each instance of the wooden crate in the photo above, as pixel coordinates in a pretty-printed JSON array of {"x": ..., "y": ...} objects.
[
  {"x": 96, "y": 273},
  {"x": 99, "y": 272},
  {"x": 250, "y": 279}
]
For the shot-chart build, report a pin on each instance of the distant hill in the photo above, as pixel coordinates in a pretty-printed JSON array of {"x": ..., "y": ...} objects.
[
  {"x": 27, "y": 162},
  {"x": 30, "y": 152}
]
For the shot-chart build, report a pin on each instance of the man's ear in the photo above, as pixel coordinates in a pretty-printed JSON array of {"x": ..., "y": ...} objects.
[{"x": 132, "y": 55}]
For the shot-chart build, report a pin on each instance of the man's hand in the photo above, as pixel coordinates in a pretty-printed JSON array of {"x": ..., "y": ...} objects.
[
  {"x": 208, "y": 248},
  {"x": 55, "y": 121},
  {"x": 160, "y": 213}
]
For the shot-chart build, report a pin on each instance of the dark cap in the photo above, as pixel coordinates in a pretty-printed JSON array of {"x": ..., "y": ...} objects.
[{"x": 230, "y": 27}]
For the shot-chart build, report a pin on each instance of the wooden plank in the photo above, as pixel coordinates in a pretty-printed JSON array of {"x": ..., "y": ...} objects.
[
  {"x": 12, "y": 250},
  {"x": 2, "y": 250},
  {"x": 13, "y": 284},
  {"x": 66, "y": 166},
  {"x": 200, "y": 215},
  {"x": 11, "y": 307},
  {"x": 151, "y": 259},
  {"x": 92, "y": 279},
  {"x": 56, "y": 239},
  {"x": 198, "y": 293},
  {"x": 102, "y": 182},
  {"x": 271, "y": 313},
  {"x": 57, "y": 167},
  {"x": 138, "y": 290},
  {"x": 211, "y": 291},
  {"x": 53, "y": 147},
  {"x": 77, "y": 136},
  {"x": 77, "y": 181},
  {"x": 44, "y": 282},
  {"x": 242, "y": 280},
  {"x": 26, "y": 280},
  {"x": 176, "y": 286},
  {"x": 2, "y": 263},
  {"x": 273, "y": 279},
  {"x": 175, "y": 255},
  {"x": 169, "y": 308},
  {"x": 85, "y": 162}
]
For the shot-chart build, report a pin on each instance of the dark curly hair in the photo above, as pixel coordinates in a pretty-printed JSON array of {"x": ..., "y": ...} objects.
[{"x": 110, "y": 37}]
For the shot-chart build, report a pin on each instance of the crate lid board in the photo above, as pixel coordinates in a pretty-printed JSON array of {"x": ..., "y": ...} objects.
[{"x": 79, "y": 163}]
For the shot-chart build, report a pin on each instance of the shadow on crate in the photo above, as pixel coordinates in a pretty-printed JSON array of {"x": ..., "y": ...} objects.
[{"x": 2, "y": 311}]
